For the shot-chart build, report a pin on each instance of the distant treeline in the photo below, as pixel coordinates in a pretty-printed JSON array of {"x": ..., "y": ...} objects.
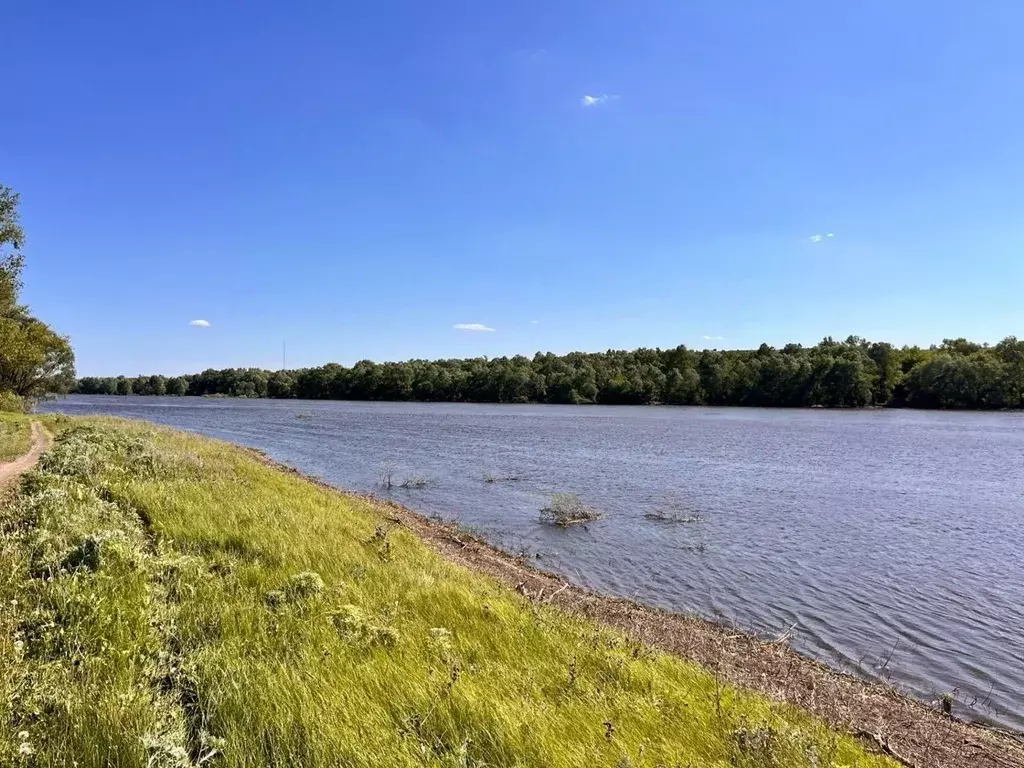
[{"x": 851, "y": 373}]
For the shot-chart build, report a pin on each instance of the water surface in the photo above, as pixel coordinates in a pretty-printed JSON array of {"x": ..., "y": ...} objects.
[{"x": 892, "y": 542}]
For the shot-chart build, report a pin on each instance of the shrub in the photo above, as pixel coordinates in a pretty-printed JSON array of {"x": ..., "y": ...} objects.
[
  {"x": 355, "y": 626},
  {"x": 86, "y": 555},
  {"x": 297, "y": 589},
  {"x": 12, "y": 403},
  {"x": 303, "y": 586},
  {"x": 386, "y": 476},
  {"x": 567, "y": 509}
]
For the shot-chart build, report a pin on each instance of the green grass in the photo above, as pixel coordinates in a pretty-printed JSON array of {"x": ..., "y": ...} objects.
[
  {"x": 15, "y": 436},
  {"x": 180, "y": 603}
]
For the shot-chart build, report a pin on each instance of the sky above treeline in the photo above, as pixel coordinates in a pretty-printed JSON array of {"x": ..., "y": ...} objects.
[{"x": 201, "y": 182}]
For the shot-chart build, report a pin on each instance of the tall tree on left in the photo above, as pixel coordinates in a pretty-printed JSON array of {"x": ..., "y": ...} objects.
[{"x": 35, "y": 361}]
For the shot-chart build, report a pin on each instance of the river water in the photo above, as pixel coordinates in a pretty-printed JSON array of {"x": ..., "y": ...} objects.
[{"x": 891, "y": 542}]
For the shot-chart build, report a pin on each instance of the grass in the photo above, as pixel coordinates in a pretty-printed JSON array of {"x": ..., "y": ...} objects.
[
  {"x": 15, "y": 436},
  {"x": 170, "y": 601}
]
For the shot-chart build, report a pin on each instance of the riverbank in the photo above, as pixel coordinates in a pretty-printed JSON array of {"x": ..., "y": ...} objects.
[
  {"x": 832, "y": 521},
  {"x": 913, "y": 733},
  {"x": 170, "y": 600}
]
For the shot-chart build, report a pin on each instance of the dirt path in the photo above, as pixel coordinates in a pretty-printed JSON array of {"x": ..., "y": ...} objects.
[
  {"x": 914, "y": 734},
  {"x": 13, "y": 469}
]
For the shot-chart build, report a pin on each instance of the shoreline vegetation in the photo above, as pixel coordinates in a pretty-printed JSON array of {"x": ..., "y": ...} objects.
[
  {"x": 35, "y": 360},
  {"x": 15, "y": 436},
  {"x": 170, "y": 601},
  {"x": 855, "y": 373},
  {"x": 173, "y": 600}
]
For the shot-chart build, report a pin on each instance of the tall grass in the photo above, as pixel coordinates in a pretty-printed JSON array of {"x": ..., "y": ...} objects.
[
  {"x": 15, "y": 436},
  {"x": 179, "y": 603}
]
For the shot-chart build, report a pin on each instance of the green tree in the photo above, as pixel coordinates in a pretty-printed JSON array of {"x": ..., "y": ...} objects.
[
  {"x": 281, "y": 384},
  {"x": 851, "y": 373},
  {"x": 682, "y": 387},
  {"x": 35, "y": 361},
  {"x": 176, "y": 385},
  {"x": 889, "y": 374}
]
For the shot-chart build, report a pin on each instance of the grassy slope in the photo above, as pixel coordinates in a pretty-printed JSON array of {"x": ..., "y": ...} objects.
[
  {"x": 177, "y": 600},
  {"x": 15, "y": 436}
]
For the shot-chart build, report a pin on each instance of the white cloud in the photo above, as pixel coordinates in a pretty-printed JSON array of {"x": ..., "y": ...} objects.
[
  {"x": 595, "y": 101},
  {"x": 471, "y": 327},
  {"x": 200, "y": 323},
  {"x": 534, "y": 322},
  {"x": 819, "y": 238},
  {"x": 713, "y": 338}
]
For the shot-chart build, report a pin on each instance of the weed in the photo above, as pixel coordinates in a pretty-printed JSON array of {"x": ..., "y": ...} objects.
[
  {"x": 512, "y": 478},
  {"x": 303, "y": 586},
  {"x": 567, "y": 509},
  {"x": 386, "y": 476},
  {"x": 355, "y": 626},
  {"x": 946, "y": 701}
]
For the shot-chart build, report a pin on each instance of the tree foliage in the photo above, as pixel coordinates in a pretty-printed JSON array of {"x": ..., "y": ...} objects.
[
  {"x": 34, "y": 360},
  {"x": 848, "y": 374}
]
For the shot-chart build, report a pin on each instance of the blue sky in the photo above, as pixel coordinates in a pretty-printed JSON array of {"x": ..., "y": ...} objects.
[{"x": 360, "y": 178}]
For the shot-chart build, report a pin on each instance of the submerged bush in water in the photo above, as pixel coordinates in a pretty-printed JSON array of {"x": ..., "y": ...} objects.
[
  {"x": 511, "y": 478},
  {"x": 567, "y": 509},
  {"x": 385, "y": 476},
  {"x": 673, "y": 516}
]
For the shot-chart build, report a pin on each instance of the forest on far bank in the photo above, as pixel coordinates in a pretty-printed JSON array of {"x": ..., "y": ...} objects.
[{"x": 956, "y": 374}]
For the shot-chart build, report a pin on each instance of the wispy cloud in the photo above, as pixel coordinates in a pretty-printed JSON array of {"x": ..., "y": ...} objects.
[
  {"x": 819, "y": 238},
  {"x": 471, "y": 327},
  {"x": 596, "y": 101},
  {"x": 534, "y": 322},
  {"x": 200, "y": 323},
  {"x": 713, "y": 338}
]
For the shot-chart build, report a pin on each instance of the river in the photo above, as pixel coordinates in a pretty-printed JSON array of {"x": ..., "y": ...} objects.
[{"x": 889, "y": 543}]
